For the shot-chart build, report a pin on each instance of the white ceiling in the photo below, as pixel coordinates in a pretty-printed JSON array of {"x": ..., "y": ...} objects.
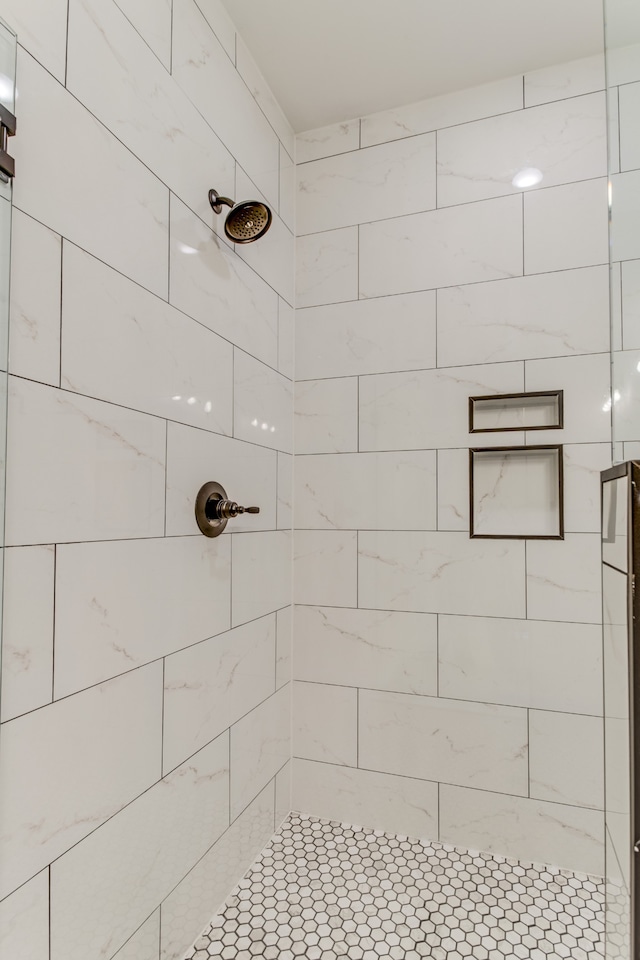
[{"x": 332, "y": 60}]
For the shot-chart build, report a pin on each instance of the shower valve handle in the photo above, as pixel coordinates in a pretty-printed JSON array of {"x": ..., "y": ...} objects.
[{"x": 226, "y": 509}]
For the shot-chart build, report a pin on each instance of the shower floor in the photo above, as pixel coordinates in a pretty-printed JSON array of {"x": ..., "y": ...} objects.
[{"x": 322, "y": 890}]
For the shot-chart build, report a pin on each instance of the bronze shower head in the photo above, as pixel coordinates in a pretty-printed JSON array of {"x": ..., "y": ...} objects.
[{"x": 246, "y": 221}]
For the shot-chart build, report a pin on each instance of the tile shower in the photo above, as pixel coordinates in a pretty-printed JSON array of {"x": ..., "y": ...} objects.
[{"x": 439, "y": 685}]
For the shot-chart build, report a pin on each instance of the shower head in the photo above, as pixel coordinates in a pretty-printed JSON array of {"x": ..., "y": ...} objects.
[{"x": 246, "y": 221}]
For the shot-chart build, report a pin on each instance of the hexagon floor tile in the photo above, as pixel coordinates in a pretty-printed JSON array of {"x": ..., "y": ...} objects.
[{"x": 322, "y": 890}]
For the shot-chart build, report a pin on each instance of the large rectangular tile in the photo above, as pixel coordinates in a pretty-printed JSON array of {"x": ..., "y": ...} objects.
[
  {"x": 428, "y": 409},
  {"x": 587, "y": 396},
  {"x": 209, "y": 686},
  {"x": 367, "y": 648},
  {"x": 322, "y": 486},
  {"x": 388, "y": 180},
  {"x": 215, "y": 287},
  {"x": 441, "y": 573},
  {"x": 326, "y": 416},
  {"x": 152, "y": 20},
  {"x": 565, "y": 141},
  {"x": 144, "y": 943},
  {"x": 189, "y": 908},
  {"x": 444, "y": 111},
  {"x": 563, "y": 578},
  {"x": 325, "y": 723},
  {"x": 440, "y": 248},
  {"x": 327, "y": 141},
  {"x": 260, "y": 746},
  {"x": 34, "y": 328},
  {"x": 41, "y": 26},
  {"x": 273, "y": 257},
  {"x": 112, "y": 71},
  {"x": 471, "y": 744},
  {"x": 453, "y": 489},
  {"x": 217, "y": 16},
  {"x": 24, "y": 920},
  {"x": 533, "y": 830},
  {"x": 523, "y": 663},
  {"x": 261, "y": 574},
  {"x": 55, "y": 493},
  {"x": 284, "y": 646},
  {"x": 90, "y": 754},
  {"x": 263, "y": 95},
  {"x": 630, "y": 305},
  {"x": 283, "y": 794},
  {"x": 546, "y": 315},
  {"x": 583, "y": 463},
  {"x": 124, "y": 345},
  {"x": 103, "y": 889},
  {"x": 285, "y": 491},
  {"x": 625, "y": 202},
  {"x": 629, "y": 104},
  {"x": 119, "y": 605},
  {"x": 566, "y": 227},
  {"x": 325, "y": 567},
  {"x": 131, "y": 205},
  {"x": 286, "y": 338},
  {"x": 327, "y": 267},
  {"x": 263, "y": 404},
  {"x": 566, "y": 758},
  {"x": 366, "y": 336},
  {"x": 379, "y": 801},
  {"x": 27, "y": 629},
  {"x": 564, "y": 80},
  {"x": 201, "y": 65},
  {"x": 247, "y": 472}
]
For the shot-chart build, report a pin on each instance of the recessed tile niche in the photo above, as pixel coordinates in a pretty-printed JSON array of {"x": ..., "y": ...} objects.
[
  {"x": 516, "y": 492},
  {"x": 516, "y": 411}
]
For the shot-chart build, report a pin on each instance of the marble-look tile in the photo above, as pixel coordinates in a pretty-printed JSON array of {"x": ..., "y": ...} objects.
[
  {"x": 27, "y": 629},
  {"x": 247, "y": 472},
  {"x": 583, "y": 463},
  {"x": 117, "y": 77},
  {"x": 124, "y": 345},
  {"x": 615, "y": 285},
  {"x": 152, "y": 20},
  {"x": 261, "y": 574},
  {"x": 441, "y": 573},
  {"x": 131, "y": 205},
  {"x": 375, "y": 800},
  {"x": 622, "y": 64},
  {"x": 263, "y": 404},
  {"x": 260, "y": 746},
  {"x": 367, "y": 648},
  {"x": 563, "y": 579},
  {"x": 117, "y": 493},
  {"x": 570, "y": 79},
  {"x": 429, "y": 409},
  {"x": 24, "y": 920},
  {"x": 630, "y": 305},
  {"x": 41, "y": 26},
  {"x": 283, "y": 793},
  {"x": 521, "y": 663},
  {"x": 200, "y": 65},
  {"x": 367, "y": 336},
  {"x": 566, "y": 227},
  {"x": 389, "y": 180},
  {"x": 453, "y": 489},
  {"x": 217, "y": 16},
  {"x": 547, "y": 315},
  {"x": 325, "y": 567},
  {"x": 327, "y": 141},
  {"x": 120, "y": 605},
  {"x": 188, "y": 908},
  {"x": 626, "y": 394},
  {"x": 263, "y": 95},
  {"x": 531, "y": 830},
  {"x": 471, "y": 744},
  {"x": 461, "y": 106},
  {"x": 625, "y": 202},
  {"x": 214, "y": 286},
  {"x": 587, "y": 396},
  {"x": 615, "y": 523},
  {"x": 91, "y": 754},
  {"x": 286, "y": 338},
  {"x": 516, "y": 493},
  {"x": 285, "y": 492},
  {"x": 34, "y": 328},
  {"x": 327, "y": 267},
  {"x": 325, "y": 723},
  {"x": 565, "y": 141},
  {"x": 144, "y": 943},
  {"x": 142, "y": 854},
  {"x": 566, "y": 759},
  {"x": 629, "y": 105},
  {"x": 284, "y": 646},
  {"x": 326, "y": 416},
  {"x": 323, "y": 484},
  {"x": 613, "y": 129},
  {"x": 209, "y": 686},
  {"x": 287, "y": 206},
  {"x": 272, "y": 258},
  {"x": 440, "y": 248}
]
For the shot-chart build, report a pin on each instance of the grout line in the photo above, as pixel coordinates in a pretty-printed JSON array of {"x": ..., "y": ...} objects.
[
  {"x": 358, "y": 727},
  {"x": 529, "y": 753},
  {"x": 164, "y": 664},
  {"x": 53, "y": 638}
]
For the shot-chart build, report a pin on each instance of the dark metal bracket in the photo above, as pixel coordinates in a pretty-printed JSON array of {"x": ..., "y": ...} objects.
[{"x": 7, "y": 129}]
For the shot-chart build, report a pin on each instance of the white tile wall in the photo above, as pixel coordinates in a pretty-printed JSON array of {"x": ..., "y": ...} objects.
[
  {"x": 326, "y": 416},
  {"x": 24, "y": 920},
  {"x": 325, "y": 723}
]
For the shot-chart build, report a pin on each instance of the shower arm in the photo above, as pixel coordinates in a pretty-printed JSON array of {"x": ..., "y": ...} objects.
[{"x": 216, "y": 201}]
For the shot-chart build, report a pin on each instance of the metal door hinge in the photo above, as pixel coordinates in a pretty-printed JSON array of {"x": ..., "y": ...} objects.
[{"x": 7, "y": 129}]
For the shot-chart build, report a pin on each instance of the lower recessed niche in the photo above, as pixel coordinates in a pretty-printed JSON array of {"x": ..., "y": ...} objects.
[{"x": 516, "y": 492}]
